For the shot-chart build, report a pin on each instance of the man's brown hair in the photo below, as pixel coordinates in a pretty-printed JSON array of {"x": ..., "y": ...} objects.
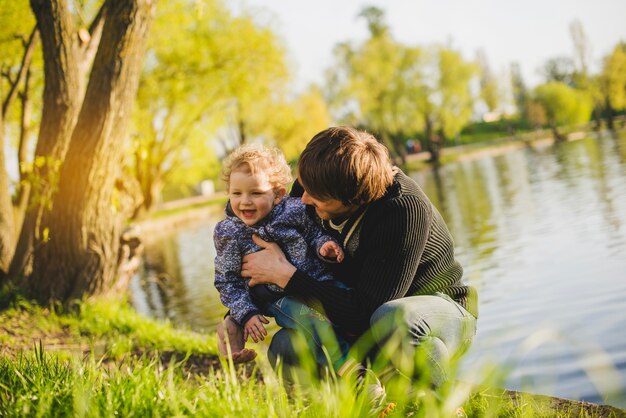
[{"x": 346, "y": 164}]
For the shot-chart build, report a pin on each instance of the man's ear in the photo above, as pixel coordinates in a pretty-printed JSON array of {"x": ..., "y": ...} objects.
[{"x": 279, "y": 194}]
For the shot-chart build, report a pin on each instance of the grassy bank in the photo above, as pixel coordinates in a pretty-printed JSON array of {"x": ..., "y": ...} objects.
[
  {"x": 493, "y": 146},
  {"x": 101, "y": 358}
]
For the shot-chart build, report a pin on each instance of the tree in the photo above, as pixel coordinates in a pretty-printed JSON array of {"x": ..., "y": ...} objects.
[
  {"x": 207, "y": 68},
  {"x": 67, "y": 54},
  {"x": 455, "y": 108},
  {"x": 559, "y": 69},
  {"x": 77, "y": 240},
  {"x": 258, "y": 76},
  {"x": 612, "y": 83},
  {"x": 443, "y": 97},
  {"x": 371, "y": 85},
  {"x": 582, "y": 48},
  {"x": 296, "y": 121},
  {"x": 18, "y": 38},
  {"x": 520, "y": 92},
  {"x": 489, "y": 91},
  {"x": 563, "y": 106}
]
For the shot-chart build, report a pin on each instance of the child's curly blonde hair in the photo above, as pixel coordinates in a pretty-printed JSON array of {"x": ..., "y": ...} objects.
[{"x": 259, "y": 158}]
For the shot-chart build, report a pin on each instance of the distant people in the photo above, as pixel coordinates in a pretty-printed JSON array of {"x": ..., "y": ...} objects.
[
  {"x": 257, "y": 178},
  {"x": 404, "y": 284}
]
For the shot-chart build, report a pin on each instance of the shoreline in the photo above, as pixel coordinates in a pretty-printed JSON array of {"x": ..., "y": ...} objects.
[{"x": 183, "y": 213}]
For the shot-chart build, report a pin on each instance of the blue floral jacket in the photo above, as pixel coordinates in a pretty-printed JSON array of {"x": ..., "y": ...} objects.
[{"x": 289, "y": 226}]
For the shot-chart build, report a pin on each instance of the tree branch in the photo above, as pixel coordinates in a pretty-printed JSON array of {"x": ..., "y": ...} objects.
[
  {"x": 24, "y": 65},
  {"x": 90, "y": 39}
]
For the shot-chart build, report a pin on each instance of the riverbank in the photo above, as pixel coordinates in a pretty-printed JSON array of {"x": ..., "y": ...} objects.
[
  {"x": 535, "y": 139},
  {"x": 104, "y": 358},
  {"x": 179, "y": 213}
]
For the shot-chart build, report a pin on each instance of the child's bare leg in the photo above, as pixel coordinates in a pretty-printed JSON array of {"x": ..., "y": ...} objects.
[{"x": 229, "y": 333}]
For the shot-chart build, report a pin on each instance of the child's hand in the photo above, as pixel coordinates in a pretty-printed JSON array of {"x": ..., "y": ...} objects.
[
  {"x": 332, "y": 251},
  {"x": 254, "y": 328}
]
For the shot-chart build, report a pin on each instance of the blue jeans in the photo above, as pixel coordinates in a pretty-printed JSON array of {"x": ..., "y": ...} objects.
[
  {"x": 320, "y": 336},
  {"x": 431, "y": 327}
]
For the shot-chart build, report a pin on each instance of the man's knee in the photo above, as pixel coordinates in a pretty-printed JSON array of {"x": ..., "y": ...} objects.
[
  {"x": 390, "y": 318},
  {"x": 282, "y": 347}
]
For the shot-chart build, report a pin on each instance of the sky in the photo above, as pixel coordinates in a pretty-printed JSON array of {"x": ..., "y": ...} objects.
[{"x": 528, "y": 32}]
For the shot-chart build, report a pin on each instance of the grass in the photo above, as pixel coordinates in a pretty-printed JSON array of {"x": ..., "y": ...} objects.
[
  {"x": 101, "y": 358},
  {"x": 106, "y": 327}
]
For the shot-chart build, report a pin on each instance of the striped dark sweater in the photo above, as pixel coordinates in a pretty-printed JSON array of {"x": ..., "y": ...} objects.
[{"x": 396, "y": 246}]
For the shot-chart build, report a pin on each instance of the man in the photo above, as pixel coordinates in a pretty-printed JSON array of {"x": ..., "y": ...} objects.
[{"x": 403, "y": 284}]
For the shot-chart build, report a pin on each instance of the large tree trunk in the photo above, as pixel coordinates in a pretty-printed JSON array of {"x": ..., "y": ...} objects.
[
  {"x": 61, "y": 104},
  {"x": 67, "y": 59},
  {"x": 84, "y": 224}
]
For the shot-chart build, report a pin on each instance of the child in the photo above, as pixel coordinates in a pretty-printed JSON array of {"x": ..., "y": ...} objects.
[{"x": 257, "y": 178}]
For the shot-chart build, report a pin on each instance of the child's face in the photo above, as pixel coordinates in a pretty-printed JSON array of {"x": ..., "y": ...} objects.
[{"x": 251, "y": 195}]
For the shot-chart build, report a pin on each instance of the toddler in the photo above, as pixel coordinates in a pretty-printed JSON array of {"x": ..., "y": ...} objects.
[{"x": 257, "y": 178}]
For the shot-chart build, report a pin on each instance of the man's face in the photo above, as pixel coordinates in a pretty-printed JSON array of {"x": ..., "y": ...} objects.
[{"x": 328, "y": 209}]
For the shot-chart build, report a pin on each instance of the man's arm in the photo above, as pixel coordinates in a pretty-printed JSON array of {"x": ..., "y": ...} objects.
[{"x": 392, "y": 243}]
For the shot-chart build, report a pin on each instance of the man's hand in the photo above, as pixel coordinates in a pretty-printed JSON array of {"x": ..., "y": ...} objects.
[
  {"x": 230, "y": 334},
  {"x": 254, "y": 328},
  {"x": 331, "y": 251},
  {"x": 268, "y": 266}
]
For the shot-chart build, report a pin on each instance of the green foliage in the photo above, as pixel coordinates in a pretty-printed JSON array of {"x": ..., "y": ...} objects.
[
  {"x": 563, "y": 105},
  {"x": 16, "y": 24},
  {"x": 489, "y": 89},
  {"x": 206, "y": 69},
  {"x": 455, "y": 109},
  {"x": 372, "y": 85},
  {"x": 486, "y": 131},
  {"x": 613, "y": 78},
  {"x": 294, "y": 122},
  {"x": 396, "y": 90},
  {"x": 42, "y": 174}
]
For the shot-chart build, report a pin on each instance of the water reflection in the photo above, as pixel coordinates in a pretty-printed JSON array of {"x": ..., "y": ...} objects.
[
  {"x": 177, "y": 279},
  {"x": 540, "y": 232}
]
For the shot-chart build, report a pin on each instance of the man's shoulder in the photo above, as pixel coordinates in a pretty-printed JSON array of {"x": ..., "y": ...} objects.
[{"x": 404, "y": 196}]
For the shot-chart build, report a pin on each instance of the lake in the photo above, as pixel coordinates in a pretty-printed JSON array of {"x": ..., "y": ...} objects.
[{"x": 541, "y": 233}]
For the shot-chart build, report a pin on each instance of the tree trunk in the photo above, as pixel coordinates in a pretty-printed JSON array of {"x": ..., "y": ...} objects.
[
  {"x": 61, "y": 104},
  {"x": 609, "y": 116},
  {"x": 597, "y": 118},
  {"x": 23, "y": 191},
  {"x": 84, "y": 224},
  {"x": 242, "y": 131},
  {"x": 432, "y": 143},
  {"x": 397, "y": 147},
  {"x": 558, "y": 136},
  {"x": 7, "y": 239}
]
